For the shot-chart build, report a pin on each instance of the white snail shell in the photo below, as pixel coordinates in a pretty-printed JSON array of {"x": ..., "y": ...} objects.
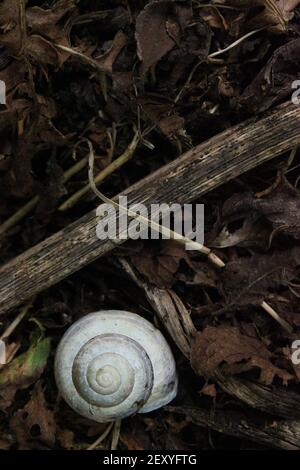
[{"x": 112, "y": 364}]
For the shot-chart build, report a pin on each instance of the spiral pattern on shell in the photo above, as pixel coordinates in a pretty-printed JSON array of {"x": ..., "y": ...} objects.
[{"x": 112, "y": 364}]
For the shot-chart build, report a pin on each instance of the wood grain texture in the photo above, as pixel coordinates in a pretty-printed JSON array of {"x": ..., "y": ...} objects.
[
  {"x": 198, "y": 171},
  {"x": 281, "y": 434}
]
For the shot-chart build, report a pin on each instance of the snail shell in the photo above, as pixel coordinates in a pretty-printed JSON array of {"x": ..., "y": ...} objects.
[{"x": 112, "y": 364}]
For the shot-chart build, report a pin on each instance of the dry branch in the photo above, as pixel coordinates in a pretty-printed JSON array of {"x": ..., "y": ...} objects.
[
  {"x": 277, "y": 401},
  {"x": 278, "y": 434},
  {"x": 198, "y": 171}
]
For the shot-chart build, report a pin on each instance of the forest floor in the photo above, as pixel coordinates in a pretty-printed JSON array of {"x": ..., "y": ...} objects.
[{"x": 84, "y": 73}]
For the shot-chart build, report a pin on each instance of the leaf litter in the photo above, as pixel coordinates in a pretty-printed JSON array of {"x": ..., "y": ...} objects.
[{"x": 178, "y": 73}]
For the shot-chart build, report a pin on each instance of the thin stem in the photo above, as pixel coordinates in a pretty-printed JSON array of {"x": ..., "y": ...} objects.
[
  {"x": 88, "y": 60},
  {"x": 234, "y": 44},
  {"x": 11, "y": 328},
  {"x": 216, "y": 6},
  {"x": 102, "y": 437},
  {"x": 116, "y": 435},
  {"x": 276, "y": 317},
  {"x": 30, "y": 205},
  {"x": 23, "y": 25},
  {"x": 113, "y": 166},
  {"x": 149, "y": 223}
]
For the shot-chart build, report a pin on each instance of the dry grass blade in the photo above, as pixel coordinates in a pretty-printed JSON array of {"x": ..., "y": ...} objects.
[
  {"x": 116, "y": 434},
  {"x": 101, "y": 438},
  {"x": 111, "y": 168},
  {"x": 30, "y": 205},
  {"x": 149, "y": 223}
]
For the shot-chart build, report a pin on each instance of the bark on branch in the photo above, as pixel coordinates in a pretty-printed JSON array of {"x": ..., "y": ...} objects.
[{"x": 198, "y": 171}]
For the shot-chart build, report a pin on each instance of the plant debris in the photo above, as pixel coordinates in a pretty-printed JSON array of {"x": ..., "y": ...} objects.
[{"x": 141, "y": 82}]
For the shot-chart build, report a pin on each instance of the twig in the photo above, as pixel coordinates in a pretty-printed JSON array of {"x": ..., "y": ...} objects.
[
  {"x": 200, "y": 170},
  {"x": 11, "y": 328},
  {"x": 147, "y": 222},
  {"x": 102, "y": 437},
  {"x": 234, "y": 44},
  {"x": 88, "y": 60},
  {"x": 280, "y": 174},
  {"x": 210, "y": 57},
  {"x": 116, "y": 434},
  {"x": 30, "y": 205},
  {"x": 276, "y": 317},
  {"x": 23, "y": 25},
  {"x": 113, "y": 166},
  {"x": 216, "y": 6},
  {"x": 282, "y": 434}
]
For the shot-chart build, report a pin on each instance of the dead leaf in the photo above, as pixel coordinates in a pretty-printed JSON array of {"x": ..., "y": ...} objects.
[
  {"x": 162, "y": 112},
  {"x": 35, "y": 422},
  {"x": 65, "y": 437},
  {"x": 273, "y": 83},
  {"x": 275, "y": 14},
  {"x": 42, "y": 30},
  {"x": 225, "y": 347},
  {"x": 159, "y": 28},
  {"x": 277, "y": 212},
  {"x": 209, "y": 390},
  {"x": 160, "y": 266},
  {"x": 153, "y": 40},
  {"x": 248, "y": 280},
  {"x": 23, "y": 370},
  {"x": 255, "y": 232},
  {"x": 107, "y": 60}
]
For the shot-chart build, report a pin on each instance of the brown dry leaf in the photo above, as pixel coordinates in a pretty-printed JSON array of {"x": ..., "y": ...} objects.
[
  {"x": 13, "y": 76},
  {"x": 275, "y": 15},
  {"x": 255, "y": 232},
  {"x": 43, "y": 21},
  {"x": 43, "y": 51},
  {"x": 42, "y": 30},
  {"x": 158, "y": 29},
  {"x": 107, "y": 60},
  {"x": 227, "y": 348},
  {"x": 160, "y": 267},
  {"x": 134, "y": 442},
  {"x": 273, "y": 83},
  {"x": 282, "y": 209},
  {"x": 172, "y": 126},
  {"x": 278, "y": 211},
  {"x": 65, "y": 437},
  {"x": 209, "y": 390},
  {"x": 34, "y": 422},
  {"x": 214, "y": 17},
  {"x": 10, "y": 30},
  {"x": 153, "y": 40},
  {"x": 162, "y": 112},
  {"x": 249, "y": 279}
]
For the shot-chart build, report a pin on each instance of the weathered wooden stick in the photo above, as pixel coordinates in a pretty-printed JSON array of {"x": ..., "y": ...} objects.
[
  {"x": 277, "y": 401},
  {"x": 198, "y": 171},
  {"x": 279, "y": 434}
]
